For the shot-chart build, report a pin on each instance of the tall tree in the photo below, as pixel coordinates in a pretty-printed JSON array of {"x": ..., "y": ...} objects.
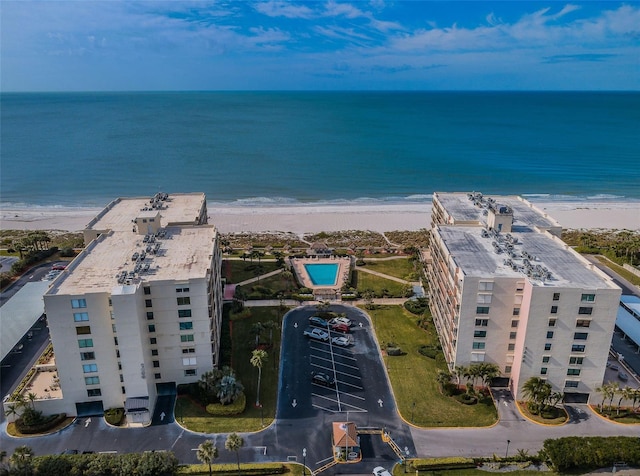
[
  {"x": 258, "y": 358},
  {"x": 21, "y": 460},
  {"x": 206, "y": 453},
  {"x": 536, "y": 390},
  {"x": 233, "y": 443}
]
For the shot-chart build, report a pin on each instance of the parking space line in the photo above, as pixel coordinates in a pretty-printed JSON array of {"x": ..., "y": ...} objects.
[
  {"x": 337, "y": 363},
  {"x": 337, "y": 354},
  {"x": 351, "y": 385},
  {"x": 323, "y": 408},
  {"x": 352, "y": 395},
  {"x": 355, "y": 377}
]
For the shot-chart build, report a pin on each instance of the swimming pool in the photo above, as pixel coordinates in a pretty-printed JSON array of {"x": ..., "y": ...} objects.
[{"x": 322, "y": 274}]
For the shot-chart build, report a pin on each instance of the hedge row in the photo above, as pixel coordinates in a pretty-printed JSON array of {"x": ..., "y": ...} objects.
[
  {"x": 50, "y": 422},
  {"x": 433, "y": 464},
  {"x": 234, "y": 408},
  {"x": 591, "y": 452},
  {"x": 257, "y": 469}
]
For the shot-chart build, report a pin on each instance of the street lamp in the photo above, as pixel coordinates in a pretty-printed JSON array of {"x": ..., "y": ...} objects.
[
  {"x": 304, "y": 461},
  {"x": 413, "y": 409},
  {"x": 506, "y": 455}
]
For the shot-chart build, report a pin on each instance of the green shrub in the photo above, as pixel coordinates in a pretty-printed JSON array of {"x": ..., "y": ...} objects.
[
  {"x": 245, "y": 313},
  {"x": 252, "y": 469},
  {"x": 575, "y": 452},
  {"x": 417, "y": 306},
  {"x": 430, "y": 351},
  {"x": 67, "y": 252},
  {"x": 114, "y": 416},
  {"x": 234, "y": 408},
  {"x": 44, "y": 425},
  {"x": 434, "y": 464}
]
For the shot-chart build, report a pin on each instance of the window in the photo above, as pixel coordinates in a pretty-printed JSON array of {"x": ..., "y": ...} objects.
[
  {"x": 153, "y": 340},
  {"x": 78, "y": 303},
  {"x": 92, "y": 380},
  {"x": 88, "y": 368},
  {"x": 516, "y": 311},
  {"x": 556, "y": 296},
  {"x": 115, "y": 340},
  {"x": 507, "y": 369},
  {"x": 554, "y": 310},
  {"x": 94, "y": 392},
  {"x": 543, "y": 371},
  {"x": 546, "y": 359},
  {"x": 82, "y": 330},
  {"x": 185, "y": 326},
  {"x": 182, "y": 290},
  {"x": 585, "y": 310},
  {"x": 576, "y": 360},
  {"x": 189, "y": 361},
  {"x": 511, "y": 347},
  {"x": 156, "y": 363},
  {"x": 154, "y": 351},
  {"x": 123, "y": 390},
  {"x": 150, "y": 316},
  {"x": 479, "y": 333},
  {"x": 82, "y": 343},
  {"x": 184, "y": 312},
  {"x": 119, "y": 365},
  {"x": 577, "y": 348},
  {"x": 478, "y": 345},
  {"x": 512, "y": 335},
  {"x": 583, "y": 323},
  {"x": 514, "y": 323},
  {"x": 485, "y": 286},
  {"x": 189, "y": 350},
  {"x": 520, "y": 286},
  {"x": 549, "y": 334},
  {"x": 571, "y": 383},
  {"x": 118, "y": 353},
  {"x": 152, "y": 327},
  {"x": 552, "y": 322},
  {"x": 484, "y": 299},
  {"x": 87, "y": 356},
  {"x": 547, "y": 346},
  {"x": 580, "y": 335},
  {"x": 482, "y": 322},
  {"x": 121, "y": 378},
  {"x": 189, "y": 372},
  {"x": 186, "y": 338},
  {"x": 80, "y": 316},
  {"x": 147, "y": 303},
  {"x": 146, "y": 290},
  {"x": 113, "y": 328},
  {"x": 157, "y": 376},
  {"x": 573, "y": 371},
  {"x": 183, "y": 301},
  {"x": 588, "y": 298}
]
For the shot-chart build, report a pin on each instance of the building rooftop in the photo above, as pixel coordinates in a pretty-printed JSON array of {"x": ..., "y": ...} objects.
[
  {"x": 180, "y": 254},
  {"x": 175, "y": 208},
  {"x": 174, "y": 245},
  {"x": 469, "y": 207},
  {"x": 538, "y": 256}
]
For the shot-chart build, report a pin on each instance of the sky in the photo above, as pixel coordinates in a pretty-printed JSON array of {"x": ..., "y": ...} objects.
[{"x": 118, "y": 45}]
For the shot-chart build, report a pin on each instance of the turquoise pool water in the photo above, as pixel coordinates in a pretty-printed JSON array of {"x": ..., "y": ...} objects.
[{"x": 322, "y": 274}]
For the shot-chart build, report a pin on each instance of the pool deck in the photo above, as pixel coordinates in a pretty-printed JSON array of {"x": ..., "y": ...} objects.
[{"x": 342, "y": 275}]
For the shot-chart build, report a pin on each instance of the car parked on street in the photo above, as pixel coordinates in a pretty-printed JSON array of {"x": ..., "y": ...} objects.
[
  {"x": 340, "y": 320},
  {"x": 340, "y": 328},
  {"x": 315, "y": 333},
  {"x": 623, "y": 376},
  {"x": 342, "y": 341},
  {"x": 318, "y": 322},
  {"x": 322, "y": 379},
  {"x": 380, "y": 471}
]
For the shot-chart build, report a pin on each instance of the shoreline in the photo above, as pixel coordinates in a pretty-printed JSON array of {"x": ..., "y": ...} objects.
[{"x": 300, "y": 219}]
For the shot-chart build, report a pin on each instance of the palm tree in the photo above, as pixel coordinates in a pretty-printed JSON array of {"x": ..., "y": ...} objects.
[
  {"x": 228, "y": 389},
  {"x": 488, "y": 372},
  {"x": 443, "y": 378},
  {"x": 32, "y": 397},
  {"x": 256, "y": 330},
  {"x": 459, "y": 372},
  {"x": 21, "y": 459},
  {"x": 626, "y": 393},
  {"x": 536, "y": 390},
  {"x": 206, "y": 453},
  {"x": 258, "y": 358},
  {"x": 270, "y": 326},
  {"x": 233, "y": 443},
  {"x": 12, "y": 410}
]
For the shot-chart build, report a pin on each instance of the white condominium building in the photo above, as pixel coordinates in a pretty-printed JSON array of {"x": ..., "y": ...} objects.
[
  {"x": 139, "y": 309},
  {"x": 506, "y": 289}
]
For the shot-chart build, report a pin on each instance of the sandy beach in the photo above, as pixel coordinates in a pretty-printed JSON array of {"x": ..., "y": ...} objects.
[{"x": 312, "y": 219}]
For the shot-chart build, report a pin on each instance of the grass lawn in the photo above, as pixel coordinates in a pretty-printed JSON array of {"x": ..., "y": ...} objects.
[
  {"x": 291, "y": 469},
  {"x": 559, "y": 420},
  {"x": 626, "y": 274},
  {"x": 277, "y": 284},
  {"x": 413, "y": 376},
  {"x": 237, "y": 271},
  {"x": 623, "y": 416},
  {"x": 377, "y": 284},
  {"x": 399, "y": 268},
  {"x": 194, "y": 417},
  {"x": 474, "y": 472}
]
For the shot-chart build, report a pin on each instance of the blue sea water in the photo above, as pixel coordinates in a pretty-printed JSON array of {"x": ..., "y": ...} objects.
[{"x": 261, "y": 148}]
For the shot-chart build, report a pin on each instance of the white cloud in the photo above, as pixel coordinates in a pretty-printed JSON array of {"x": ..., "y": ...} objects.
[{"x": 284, "y": 9}]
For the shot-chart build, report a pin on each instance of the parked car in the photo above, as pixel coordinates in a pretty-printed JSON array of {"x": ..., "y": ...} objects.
[
  {"x": 613, "y": 366},
  {"x": 340, "y": 320},
  {"x": 315, "y": 333},
  {"x": 380, "y": 471},
  {"x": 340, "y": 328},
  {"x": 322, "y": 379},
  {"x": 623, "y": 376},
  {"x": 342, "y": 341},
  {"x": 318, "y": 322},
  {"x": 69, "y": 452}
]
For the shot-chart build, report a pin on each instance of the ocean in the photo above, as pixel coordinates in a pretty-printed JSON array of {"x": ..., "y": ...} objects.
[{"x": 279, "y": 148}]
